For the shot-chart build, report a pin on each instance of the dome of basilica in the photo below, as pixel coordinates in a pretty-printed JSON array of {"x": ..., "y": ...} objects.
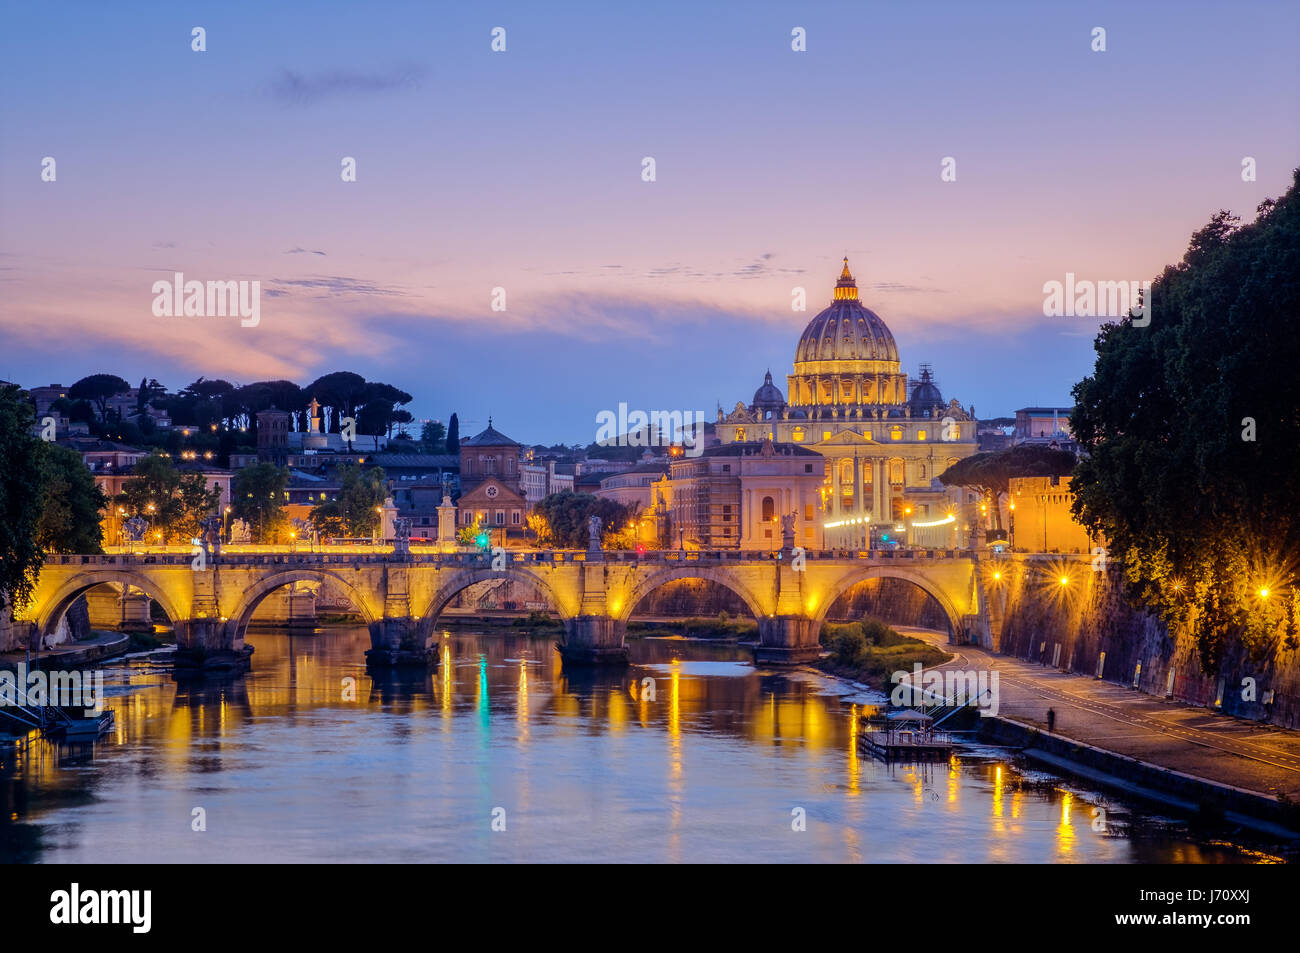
[{"x": 846, "y": 331}]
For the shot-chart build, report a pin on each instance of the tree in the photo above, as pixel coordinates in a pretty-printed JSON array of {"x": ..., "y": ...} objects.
[
  {"x": 434, "y": 437},
  {"x": 257, "y": 495},
  {"x": 991, "y": 472},
  {"x": 355, "y": 511},
  {"x": 70, "y": 505},
  {"x": 99, "y": 389},
  {"x": 196, "y": 501},
  {"x": 150, "y": 493},
  {"x": 20, "y": 495},
  {"x": 372, "y": 419},
  {"x": 453, "y": 435},
  {"x": 401, "y": 417},
  {"x": 1191, "y": 424},
  {"x": 339, "y": 393},
  {"x": 567, "y": 514},
  {"x": 389, "y": 397}
]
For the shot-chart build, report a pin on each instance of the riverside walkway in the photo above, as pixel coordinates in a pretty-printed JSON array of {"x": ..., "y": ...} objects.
[{"x": 1169, "y": 734}]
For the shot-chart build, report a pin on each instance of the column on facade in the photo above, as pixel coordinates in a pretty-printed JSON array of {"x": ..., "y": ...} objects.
[
  {"x": 835, "y": 489},
  {"x": 747, "y": 518},
  {"x": 878, "y": 504}
]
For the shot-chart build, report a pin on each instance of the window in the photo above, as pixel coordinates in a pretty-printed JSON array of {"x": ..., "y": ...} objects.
[
  {"x": 740, "y": 434},
  {"x": 726, "y": 468},
  {"x": 808, "y": 512},
  {"x": 826, "y": 435},
  {"x": 726, "y": 513},
  {"x": 807, "y": 468},
  {"x": 797, "y": 435},
  {"x": 514, "y": 517},
  {"x": 896, "y": 433},
  {"x": 501, "y": 517},
  {"x": 920, "y": 435},
  {"x": 769, "y": 510}
]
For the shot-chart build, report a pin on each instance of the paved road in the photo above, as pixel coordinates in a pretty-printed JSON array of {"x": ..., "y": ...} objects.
[{"x": 1171, "y": 734}]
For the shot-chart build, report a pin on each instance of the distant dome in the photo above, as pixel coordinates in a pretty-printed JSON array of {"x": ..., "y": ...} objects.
[
  {"x": 925, "y": 392},
  {"x": 769, "y": 396},
  {"x": 846, "y": 331}
]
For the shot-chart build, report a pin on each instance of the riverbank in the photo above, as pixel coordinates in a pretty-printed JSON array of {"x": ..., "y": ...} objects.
[
  {"x": 70, "y": 655},
  {"x": 1190, "y": 760},
  {"x": 870, "y": 652},
  {"x": 1205, "y": 801}
]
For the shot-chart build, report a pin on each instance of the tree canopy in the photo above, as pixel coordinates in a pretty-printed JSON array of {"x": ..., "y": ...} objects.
[
  {"x": 20, "y": 493},
  {"x": 566, "y": 516},
  {"x": 1192, "y": 428},
  {"x": 991, "y": 472},
  {"x": 99, "y": 389}
]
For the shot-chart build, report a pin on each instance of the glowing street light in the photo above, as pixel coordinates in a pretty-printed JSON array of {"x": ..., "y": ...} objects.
[{"x": 1064, "y": 580}]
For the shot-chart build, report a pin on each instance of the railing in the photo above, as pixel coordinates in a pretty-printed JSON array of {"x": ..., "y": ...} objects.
[{"x": 342, "y": 556}]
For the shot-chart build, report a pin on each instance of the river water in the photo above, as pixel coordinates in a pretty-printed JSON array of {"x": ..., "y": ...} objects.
[{"x": 499, "y": 755}]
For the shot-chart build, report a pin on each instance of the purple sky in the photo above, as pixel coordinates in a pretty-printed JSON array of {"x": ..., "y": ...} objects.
[{"x": 522, "y": 170}]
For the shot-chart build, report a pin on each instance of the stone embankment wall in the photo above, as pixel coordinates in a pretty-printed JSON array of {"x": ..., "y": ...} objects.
[{"x": 1087, "y": 627}]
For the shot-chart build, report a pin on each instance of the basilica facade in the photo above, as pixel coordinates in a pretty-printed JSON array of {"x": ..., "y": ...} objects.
[{"x": 884, "y": 439}]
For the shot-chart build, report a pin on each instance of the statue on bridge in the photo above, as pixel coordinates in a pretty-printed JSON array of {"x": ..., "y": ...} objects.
[
  {"x": 787, "y": 532},
  {"x": 210, "y": 534},
  {"x": 402, "y": 536},
  {"x": 593, "y": 533},
  {"x": 135, "y": 528}
]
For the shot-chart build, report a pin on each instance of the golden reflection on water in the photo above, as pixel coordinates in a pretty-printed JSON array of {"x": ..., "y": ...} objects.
[
  {"x": 783, "y": 739},
  {"x": 1065, "y": 830},
  {"x": 854, "y": 758}
]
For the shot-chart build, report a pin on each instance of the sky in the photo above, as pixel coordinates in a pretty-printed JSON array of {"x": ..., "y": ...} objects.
[{"x": 522, "y": 170}]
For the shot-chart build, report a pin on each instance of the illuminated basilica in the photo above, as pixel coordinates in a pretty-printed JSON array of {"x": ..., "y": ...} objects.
[{"x": 884, "y": 442}]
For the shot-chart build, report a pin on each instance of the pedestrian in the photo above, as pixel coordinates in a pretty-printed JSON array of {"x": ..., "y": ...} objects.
[{"x": 1051, "y": 719}]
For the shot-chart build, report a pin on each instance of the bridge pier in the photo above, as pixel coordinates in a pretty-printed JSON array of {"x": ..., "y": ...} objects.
[
  {"x": 786, "y": 640},
  {"x": 594, "y": 640},
  {"x": 209, "y": 644},
  {"x": 398, "y": 643}
]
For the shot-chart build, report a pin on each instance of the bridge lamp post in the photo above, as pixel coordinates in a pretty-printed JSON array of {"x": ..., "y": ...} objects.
[{"x": 1043, "y": 499}]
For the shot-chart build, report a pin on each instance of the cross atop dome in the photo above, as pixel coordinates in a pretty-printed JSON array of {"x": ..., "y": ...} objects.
[{"x": 846, "y": 289}]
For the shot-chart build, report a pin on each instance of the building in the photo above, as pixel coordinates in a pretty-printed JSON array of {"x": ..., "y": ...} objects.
[
  {"x": 493, "y": 505},
  {"x": 273, "y": 436},
  {"x": 885, "y": 441},
  {"x": 491, "y": 455},
  {"x": 1045, "y": 425},
  {"x": 634, "y": 487},
  {"x": 542, "y": 478},
  {"x": 1042, "y": 520},
  {"x": 734, "y": 496}
]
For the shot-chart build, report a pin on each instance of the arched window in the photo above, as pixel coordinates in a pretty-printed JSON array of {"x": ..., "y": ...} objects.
[
  {"x": 797, "y": 435},
  {"x": 769, "y": 509},
  {"x": 740, "y": 434}
]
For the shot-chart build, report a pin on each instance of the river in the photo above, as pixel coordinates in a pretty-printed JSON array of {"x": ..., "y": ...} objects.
[{"x": 690, "y": 754}]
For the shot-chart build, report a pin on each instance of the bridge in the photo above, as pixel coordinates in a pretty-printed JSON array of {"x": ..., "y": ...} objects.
[{"x": 594, "y": 593}]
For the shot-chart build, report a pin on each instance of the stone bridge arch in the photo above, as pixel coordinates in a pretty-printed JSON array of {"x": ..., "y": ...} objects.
[
  {"x": 54, "y": 607},
  {"x": 918, "y": 578},
  {"x": 644, "y": 586},
  {"x": 252, "y": 597},
  {"x": 460, "y": 580}
]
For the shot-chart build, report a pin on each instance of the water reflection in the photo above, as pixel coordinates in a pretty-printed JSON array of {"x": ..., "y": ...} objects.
[{"x": 690, "y": 754}]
